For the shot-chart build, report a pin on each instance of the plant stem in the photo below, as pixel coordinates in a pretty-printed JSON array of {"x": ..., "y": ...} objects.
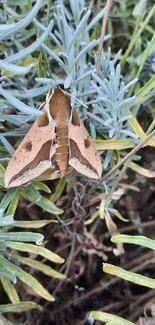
[{"x": 103, "y": 29}]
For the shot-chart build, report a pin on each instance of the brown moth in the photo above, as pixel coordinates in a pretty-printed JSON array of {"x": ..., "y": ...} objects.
[{"x": 58, "y": 133}]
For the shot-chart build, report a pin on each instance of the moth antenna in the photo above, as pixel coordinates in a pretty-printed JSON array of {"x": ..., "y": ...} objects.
[
  {"x": 50, "y": 92},
  {"x": 26, "y": 120},
  {"x": 72, "y": 96},
  {"x": 46, "y": 107}
]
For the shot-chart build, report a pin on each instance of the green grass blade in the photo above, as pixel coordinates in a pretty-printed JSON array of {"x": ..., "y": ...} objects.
[
  {"x": 145, "y": 55},
  {"x": 141, "y": 95},
  {"x": 136, "y": 35}
]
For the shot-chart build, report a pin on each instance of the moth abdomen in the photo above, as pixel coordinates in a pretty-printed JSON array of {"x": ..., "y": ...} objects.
[{"x": 62, "y": 151}]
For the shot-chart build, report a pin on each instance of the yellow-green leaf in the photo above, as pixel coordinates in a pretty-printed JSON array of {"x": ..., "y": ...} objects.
[
  {"x": 21, "y": 236},
  {"x": 129, "y": 276},
  {"x": 44, "y": 203},
  {"x": 110, "y": 224},
  {"x": 118, "y": 215},
  {"x": 26, "y": 278},
  {"x": 59, "y": 189},
  {"x": 137, "y": 240},
  {"x": 4, "y": 321},
  {"x": 119, "y": 144},
  {"x": 40, "y": 266},
  {"x": 102, "y": 209},
  {"x": 19, "y": 307},
  {"x": 41, "y": 187},
  {"x": 32, "y": 224},
  {"x": 10, "y": 290},
  {"x": 143, "y": 92},
  {"x": 106, "y": 317},
  {"x": 93, "y": 217},
  {"x": 141, "y": 170},
  {"x": 136, "y": 127},
  {"x": 24, "y": 247},
  {"x": 14, "y": 202},
  {"x": 2, "y": 172}
]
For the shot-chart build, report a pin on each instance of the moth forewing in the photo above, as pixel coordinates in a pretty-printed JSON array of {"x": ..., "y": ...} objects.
[
  {"x": 83, "y": 155},
  {"x": 33, "y": 156}
]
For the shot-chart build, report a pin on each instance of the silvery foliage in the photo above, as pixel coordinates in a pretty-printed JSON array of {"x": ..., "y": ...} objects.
[{"x": 100, "y": 99}]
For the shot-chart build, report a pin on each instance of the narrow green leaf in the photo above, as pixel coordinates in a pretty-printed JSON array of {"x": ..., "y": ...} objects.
[
  {"x": 32, "y": 192},
  {"x": 102, "y": 209},
  {"x": 137, "y": 240},
  {"x": 10, "y": 290},
  {"x": 106, "y": 317},
  {"x": 6, "y": 221},
  {"x": 2, "y": 172},
  {"x": 44, "y": 203},
  {"x": 110, "y": 224},
  {"x": 129, "y": 276},
  {"x": 14, "y": 202},
  {"x": 33, "y": 224},
  {"x": 136, "y": 35},
  {"x": 8, "y": 275},
  {"x": 118, "y": 215},
  {"x": 146, "y": 54},
  {"x": 40, "y": 266},
  {"x": 141, "y": 170},
  {"x": 93, "y": 217},
  {"x": 6, "y": 201},
  {"x": 136, "y": 127},
  {"x": 19, "y": 307},
  {"x": 59, "y": 189},
  {"x": 4, "y": 321},
  {"x": 22, "y": 236},
  {"x": 41, "y": 187},
  {"x": 26, "y": 278},
  {"x": 41, "y": 70},
  {"x": 140, "y": 95},
  {"x": 23, "y": 247}
]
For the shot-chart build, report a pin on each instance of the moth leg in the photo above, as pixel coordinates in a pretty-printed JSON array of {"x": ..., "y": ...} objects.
[
  {"x": 71, "y": 115},
  {"x": 54, "y": 146}
]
